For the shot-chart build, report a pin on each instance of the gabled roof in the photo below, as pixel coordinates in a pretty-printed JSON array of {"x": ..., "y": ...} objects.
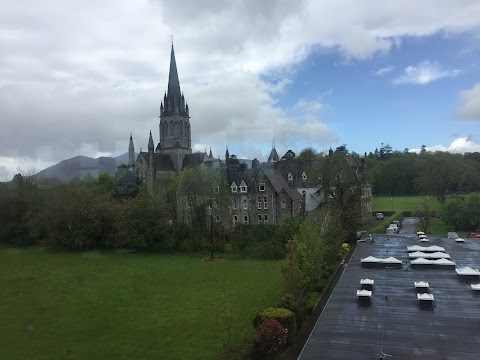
[
  {"x": 278, "y": 183},
  {"x": 195, "y": 159},
  {"x": 163, "y": 162},
  {"x": 273, "y": 157}
]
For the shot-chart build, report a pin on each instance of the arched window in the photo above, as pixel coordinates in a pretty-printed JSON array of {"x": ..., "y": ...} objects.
[
  {"x": 172, "y": 130},
  {"x": 235, "y": 219},
  {"x": 245, "y": 219}
]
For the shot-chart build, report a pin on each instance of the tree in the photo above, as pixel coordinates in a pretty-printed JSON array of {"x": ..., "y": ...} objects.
[
  {"x": 343, "y": 185},
  {"x": 423, "y": 212},
  {"x": 438, "y": 174}
]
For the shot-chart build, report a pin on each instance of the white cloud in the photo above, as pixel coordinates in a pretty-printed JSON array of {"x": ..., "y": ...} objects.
[
  {"x": 423, "y": 73},
  {"x": 469, "y": 107},
  {"x": 384, "y": 70},
  {"x": 460, "y": 145},
  {"x": 92, "y": 72}
]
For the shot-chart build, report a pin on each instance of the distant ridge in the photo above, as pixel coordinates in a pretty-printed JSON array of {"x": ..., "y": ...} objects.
[{"x": 79, "y": 166}]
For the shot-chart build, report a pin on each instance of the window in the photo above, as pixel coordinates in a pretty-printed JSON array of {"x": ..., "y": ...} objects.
[
  {"x": 290, "y": 177},
  {"x": 259, "y": 203},
  {"x": 265, "y": 219},
  {"x": 284, "y": 204},
  {"x": 245, "y": 204},
  {"x": 245, "y": 219},
  {"x": 265, "y": 204},
  {"x": 243, "y": 187},
  {"x": 234, "y": 205},
  {"x": 261, "y": 187},
  {"x": 217, "y": 189},
  {"x": 304, "y": 176},
  {"x": 259, "y": 219},
  {"x": 217, "y": 205},
  {"x": 235, "y": 219},
  {"x": 234, "y": 187},
  {"x": 217, "y": 218}
]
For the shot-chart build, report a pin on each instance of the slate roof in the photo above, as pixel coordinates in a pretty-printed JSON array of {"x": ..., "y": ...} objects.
[
  {"x": 273, "y": 156},
  {"x": 278, "y": 182},
  {"x": 163, "y": 162},
  {"x": 192, "y": 160}
]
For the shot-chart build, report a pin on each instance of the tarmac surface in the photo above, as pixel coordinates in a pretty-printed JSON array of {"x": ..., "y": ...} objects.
[{"x": 394, "y": 325}]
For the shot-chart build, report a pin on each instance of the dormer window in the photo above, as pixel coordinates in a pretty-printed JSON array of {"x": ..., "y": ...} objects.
[
  {"x": 243, "y": 187},
  {"x": 304, "y": 176},
  {"x": 234, "y": 187},
  {"x": 261, "y": 187},
  {"x": 290, "y": 177}
]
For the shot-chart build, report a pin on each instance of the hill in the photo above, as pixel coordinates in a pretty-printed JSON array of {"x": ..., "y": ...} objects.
[{"x": 79, "y": 166}]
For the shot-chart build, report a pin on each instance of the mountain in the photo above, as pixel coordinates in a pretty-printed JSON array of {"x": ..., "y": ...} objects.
[{"x": 79, "y": 166}]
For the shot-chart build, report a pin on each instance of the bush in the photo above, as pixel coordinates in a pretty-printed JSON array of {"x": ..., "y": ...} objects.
[
  {"x": 271, "y": 337},
  {"x": 288, "y": 302},
  {"x": 284, "y": 316},
  {"x": 258, "y": 241}
]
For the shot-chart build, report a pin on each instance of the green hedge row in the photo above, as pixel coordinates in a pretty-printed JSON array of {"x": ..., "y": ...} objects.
[{"x": 382, "y": 227}]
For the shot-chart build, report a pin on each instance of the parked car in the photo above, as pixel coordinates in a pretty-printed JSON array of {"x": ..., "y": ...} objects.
[
  {"x": 398, "y": 223},
  {"x": 394, "y": 227},
  {"x": 474, "y": 235},
  {"x": 379, "y": 216}
]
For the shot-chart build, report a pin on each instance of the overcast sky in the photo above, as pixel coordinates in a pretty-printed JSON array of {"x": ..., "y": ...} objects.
[{"x": 77, "y": 77}]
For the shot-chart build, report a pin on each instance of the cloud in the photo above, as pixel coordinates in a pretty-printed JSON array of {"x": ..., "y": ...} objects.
[
  {"x": 460, "y": 145},
  {"x": 423, "y": 73},
  {"x": 92, "y": 72},
  {"x": 384, "y": 70},
  {"x": 469, "y": 106}
]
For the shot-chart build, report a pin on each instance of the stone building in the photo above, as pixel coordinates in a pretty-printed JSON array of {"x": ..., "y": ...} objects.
[{"x": 173, "y": 152}]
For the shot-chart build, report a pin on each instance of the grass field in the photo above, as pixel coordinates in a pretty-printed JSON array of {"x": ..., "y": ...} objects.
[
  {"x": 402, "y": 203},
  {"x": 106, "y": 305}
]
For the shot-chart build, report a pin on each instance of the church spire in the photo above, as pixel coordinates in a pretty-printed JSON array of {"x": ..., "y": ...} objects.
[
  {"x": 131, "y": 152},
  {"x": 150, "y": 142},
  {"x": 173, "y": 82}
]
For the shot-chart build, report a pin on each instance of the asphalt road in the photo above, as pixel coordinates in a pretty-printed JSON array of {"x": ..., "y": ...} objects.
[{"x": 408, "y": 226}]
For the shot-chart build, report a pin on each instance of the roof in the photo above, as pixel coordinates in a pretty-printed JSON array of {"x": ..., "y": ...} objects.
[
  {"x": 345, "y": 331},
  {"x": 421, "y": 284},
  {"x": 163, "y": 162},
  {"x": 278, "y": 183},
  {"x": 195, "y": 159},
  {"x": 273, "y": 157}
]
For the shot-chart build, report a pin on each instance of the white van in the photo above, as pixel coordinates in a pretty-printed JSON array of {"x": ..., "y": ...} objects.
[{"x": 394, "y": 227}]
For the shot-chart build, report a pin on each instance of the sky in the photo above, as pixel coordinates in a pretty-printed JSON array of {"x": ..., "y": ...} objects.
[{"x": 77, "y": 77}]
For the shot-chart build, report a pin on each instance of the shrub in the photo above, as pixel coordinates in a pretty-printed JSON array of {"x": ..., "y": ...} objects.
[
  {"x": 284, "y": 316},
  {"x": 288, "y": 302},
  {"x": 271, "y": 336}
]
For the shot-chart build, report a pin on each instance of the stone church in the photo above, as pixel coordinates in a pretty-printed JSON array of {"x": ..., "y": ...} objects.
[
  {"x": 174, "y": 149},
  {"x": 260, "y": 193}
]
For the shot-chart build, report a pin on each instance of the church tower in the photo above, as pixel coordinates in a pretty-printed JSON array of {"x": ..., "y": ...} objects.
[
  {"x": 131, "y": 153},
  {"x": 175, "y": 134}
]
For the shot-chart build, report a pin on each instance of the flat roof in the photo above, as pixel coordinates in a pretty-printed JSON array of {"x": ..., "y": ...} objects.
[{"x": 347, "y": 330}]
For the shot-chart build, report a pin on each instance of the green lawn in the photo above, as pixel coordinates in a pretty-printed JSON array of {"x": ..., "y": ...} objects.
[
  {"x": 106, "y": 305},
  {"x": 402, "y": 203},
  {"x": 437, "y": 227}
]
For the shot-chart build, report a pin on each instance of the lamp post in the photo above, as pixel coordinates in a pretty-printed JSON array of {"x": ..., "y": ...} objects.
[{"x": 210, "y": 233}]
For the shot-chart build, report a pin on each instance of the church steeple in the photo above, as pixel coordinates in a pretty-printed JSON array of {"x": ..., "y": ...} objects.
[
  {"x": 150, "y": 142},
  {"x": 131, "y": 152},
  {"x": 173, "y": 83},
  {"x": 173, "y": 101}
]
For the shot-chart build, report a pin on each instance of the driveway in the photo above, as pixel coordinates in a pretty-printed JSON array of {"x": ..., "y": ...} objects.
[{"x": 409, "y": 226}]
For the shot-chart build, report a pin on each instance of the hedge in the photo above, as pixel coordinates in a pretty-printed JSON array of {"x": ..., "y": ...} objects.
[
  {"x": 382, "y": 227},
  {"x": 282, "y": 315}
]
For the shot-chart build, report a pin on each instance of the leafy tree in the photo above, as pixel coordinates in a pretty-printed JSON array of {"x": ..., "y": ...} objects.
[{"x": 438, "y": 174}]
